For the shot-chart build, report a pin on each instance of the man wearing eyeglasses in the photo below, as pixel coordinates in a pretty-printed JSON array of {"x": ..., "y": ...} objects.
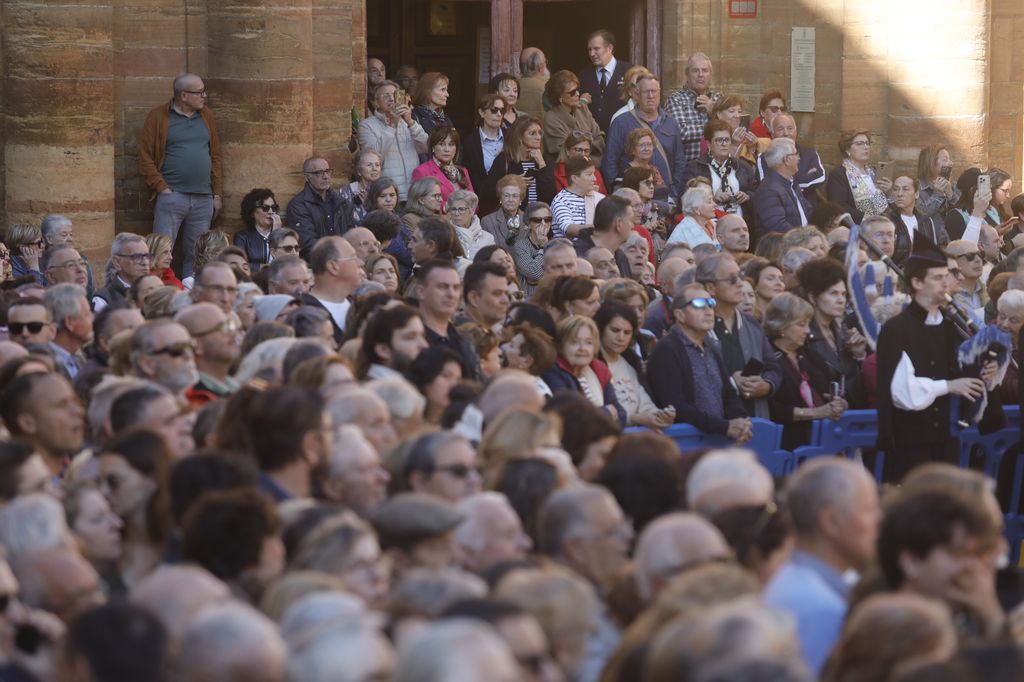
[
  {"x": 971, "y": 294},
  {"x": 62, "y": 263},
  {"x": 689, "y": 373},
  {"x": 58, "y": 230},
  {"x": 218, "y": 342},
  {"x": 216, "y": 283},
  {"x": 179, "y": 159},
  {"x": 130, "y": 259},
  {"x": 163, "y": 352},
  {"x": 318, "y": 210}
]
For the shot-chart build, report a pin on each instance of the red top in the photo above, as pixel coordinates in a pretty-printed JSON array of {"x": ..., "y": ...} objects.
[
  {"x": 561, "y": 182},
  {"x": 170, "y": 279}
]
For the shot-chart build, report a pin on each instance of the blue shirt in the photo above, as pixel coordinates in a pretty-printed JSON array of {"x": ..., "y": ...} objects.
[
  {"x": 815, "y": 594},
  {"x": 69, "y": 361},
  {"x": 492, "y": 147},
  {"x": 707, "y": 379}
]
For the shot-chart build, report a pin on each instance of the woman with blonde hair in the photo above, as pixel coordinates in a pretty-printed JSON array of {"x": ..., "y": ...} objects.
[
  {"x": 808, "y": 237},
  {"x": 160, "y": 255},
  {"x": 517, "y": 433},
  {"x": 629, "y": 80},
  {"x": 26, "y": 244},
  {"x": 208, "y": 247}
]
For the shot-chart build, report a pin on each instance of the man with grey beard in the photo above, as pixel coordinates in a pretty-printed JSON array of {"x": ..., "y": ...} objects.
[{"x": 163, "y": 352}]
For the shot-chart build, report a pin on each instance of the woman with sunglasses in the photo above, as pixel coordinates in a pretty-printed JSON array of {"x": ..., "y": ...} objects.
[
  {"x": 26, "y": 245},
  {"x": 444, "y": 148},
  {"x": 569, "y": 112},
  {"x": 260, "y": 216},
  {"x": 576, "y": 146},
  {"x": 483, "y": 150},
  {"x": 772, "y": 104},
  {"x": 283, "y": 241},
  {"x": 802, "y": 395},
  {"x": 528, "y": 249}
]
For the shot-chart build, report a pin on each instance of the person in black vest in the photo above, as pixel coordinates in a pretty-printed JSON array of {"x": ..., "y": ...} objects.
[
  {"x": 913, "y": 416},
  {"x": 604, "y": 81},
  {"x": 129, "y": 260}
]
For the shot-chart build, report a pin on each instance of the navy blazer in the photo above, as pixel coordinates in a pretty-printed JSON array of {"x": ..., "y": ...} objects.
[
  {"x": 484, "y": 182},
  {"x": 560, "y": 379},
  {"x": 775, "y": 204},
  {"x": 607, "y": 100},
  {"x": 671, "y": 378}
]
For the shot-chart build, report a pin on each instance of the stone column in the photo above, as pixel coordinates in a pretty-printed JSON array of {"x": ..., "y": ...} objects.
[
  {"x": 338, "y": 63},
  {"x": 260, "y": 80},
  {"x": 1006, "y": 91},
  {"x": 58, "y": 116}
]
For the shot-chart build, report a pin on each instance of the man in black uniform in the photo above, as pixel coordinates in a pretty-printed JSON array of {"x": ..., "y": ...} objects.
[{"x": 917, "y": 362}]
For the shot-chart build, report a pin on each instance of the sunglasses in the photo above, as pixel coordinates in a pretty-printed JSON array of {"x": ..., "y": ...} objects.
[
  {"x": 459, "y": 470},
  {"x": 496, "y": 110},
  {"x": 970, "y": 257},
  {"x": 288, "y": 249},
  {"x": 538, "y": 221},
  {"x": 703, "y": 302},
  {"x": 731, "y": 279},
  {"x": 176, "y": 350},
  {"x": 16, "y": 328},
  {"x": 573, "y": 92},
  {"x": 267, "y": 208},
  {"x": 776, "y": 109}
]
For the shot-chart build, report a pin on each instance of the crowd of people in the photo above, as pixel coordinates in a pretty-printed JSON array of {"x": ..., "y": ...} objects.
[{"x": 408, "y": 426}]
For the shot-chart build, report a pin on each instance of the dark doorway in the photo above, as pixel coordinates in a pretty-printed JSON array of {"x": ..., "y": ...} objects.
[
  {"x": 433, "y": 35},
  {"x": 560, "y": 29}
]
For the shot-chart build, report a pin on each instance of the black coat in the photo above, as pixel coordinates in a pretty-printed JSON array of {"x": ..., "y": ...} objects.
[
  {"x": 670, "y": 376},
  {"x": 829, "y": 365},
  {"x": 746, "y": 174},
  {"x": 306, "y": 215},
  {"x": 787, "y": 398},
  {"x": 545, "y": 178},
  {"x": 313, "y": 301},
  {"x": 925, "y": 225},
  {"x": 607, "y": 100},
  {"x": 484, "y": 182},
  {"x": 257, "y": 249}
]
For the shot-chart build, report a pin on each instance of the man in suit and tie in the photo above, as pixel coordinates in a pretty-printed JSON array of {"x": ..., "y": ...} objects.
[
  {"x": 777, "y": 203},
  {"x": 603, "y": 81}
]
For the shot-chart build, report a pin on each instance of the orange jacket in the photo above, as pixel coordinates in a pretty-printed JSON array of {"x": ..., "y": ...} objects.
[{"x": 154, "y": 140}]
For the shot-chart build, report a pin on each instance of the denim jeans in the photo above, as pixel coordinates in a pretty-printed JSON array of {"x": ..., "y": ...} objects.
[{"x": 173, "y": 210}]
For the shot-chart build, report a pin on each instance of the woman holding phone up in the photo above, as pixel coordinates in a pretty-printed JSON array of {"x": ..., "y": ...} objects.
[{"x": 938, "y": 193}]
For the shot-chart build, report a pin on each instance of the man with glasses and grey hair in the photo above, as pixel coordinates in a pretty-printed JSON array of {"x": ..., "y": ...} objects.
[
  {"x": 130, "y": 259},
  {"x": 162, "y": 351},
  {"x": 61, "y": 263},
  {"x": 318, "y": 210},
  {"x": 73, "y": 319},
  {"x": 179, "y": 159},
  {"x": 778, "y": 203},
  {"x": 58, "y": 231}
]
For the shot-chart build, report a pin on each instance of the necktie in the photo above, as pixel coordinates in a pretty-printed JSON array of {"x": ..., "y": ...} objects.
[{"x": 604, "y": 77}]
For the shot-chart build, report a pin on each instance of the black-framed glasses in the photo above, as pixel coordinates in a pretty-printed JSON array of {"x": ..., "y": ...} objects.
[
  {"x": 459, "y": 470},
  {"x": 956, "y": 273},
  {"x": 17, "y": 328},
  {"x": 136, "y": 257},
  {"x": 496, "y": 110},
  {"x": 176, "y": 350},
  {"x": 537, "y": 220},
  {"x": 269, "y": 208},
  {"x": 703, "y": 302},
  {"x": 289, "y": 248},
  {"x": 201, "y": 93},
  {"x": 573, "y": 92}
]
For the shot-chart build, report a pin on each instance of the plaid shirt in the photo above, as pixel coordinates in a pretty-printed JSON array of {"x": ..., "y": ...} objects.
[{"x": 691, "y": 121}]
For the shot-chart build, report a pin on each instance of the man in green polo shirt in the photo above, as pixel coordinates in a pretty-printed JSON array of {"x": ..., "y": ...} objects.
[{"x": 179, "y": 158}]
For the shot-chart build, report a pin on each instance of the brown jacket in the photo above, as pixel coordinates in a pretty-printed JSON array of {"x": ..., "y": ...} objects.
[{"x": 154, "y": 140}]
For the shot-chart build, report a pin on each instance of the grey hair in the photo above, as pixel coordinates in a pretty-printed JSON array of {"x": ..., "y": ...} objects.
[
  {"x": 1011, "y": 298},
  {"x": 778, "y": 150},
  {"x": 53, "y": 222},
  {"x": 32, "y": 523},
  {"x": 473, "y": 530},
  {"x": 429, "y": 591},
  {"x": 687, "y": 276},
  {"x": 707, "y": 269},
  {"x": 181, "y": 82},
  {"x": 385, "y": 83},
  {"x": 796, "y": 258},
  {"x": 626, "y": 193},
  {"x": 694, "y": 197},
  {"x": 328, "y": 546},
  {"x": 462, "y": 195},
  {"x": 103, "y": 396},
  {"x": 635, "y": 238},
  {"x": 564, "y": 513},
  {"x": 727, "y": 465},
  {"x": 418, "y": 190},
  {"x": 346, "y": 407},
  {"x": 268, "y": 355},
  {"x": 531, "y": 61},
  {"x": 225, "y": 640},
  {"x": 122, "y": 239},
  {"x": 784, "y": 310},
  {"x": 873, "y": 219},
  {"x": 330, "y": 637},
  {"x": 62, "y": 301},
  {"x": 452, "y": 649},
  {"x": 698, "y": 57},
  {"x": 346, "y": 438},
  {"x": 244, "y": 289},
  {"x": 818, "y": 485},
  {"x": 401, "y": 397}
]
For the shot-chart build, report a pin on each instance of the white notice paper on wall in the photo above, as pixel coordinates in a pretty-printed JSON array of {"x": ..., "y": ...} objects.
[{"x": 801, "y": 92}]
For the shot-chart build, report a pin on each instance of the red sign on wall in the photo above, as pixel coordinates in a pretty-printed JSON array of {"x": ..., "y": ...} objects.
[{"x": 742, "y": 9}]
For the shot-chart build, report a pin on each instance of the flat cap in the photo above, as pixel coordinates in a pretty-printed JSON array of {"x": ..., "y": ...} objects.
[{"x": 414, "y": 516}]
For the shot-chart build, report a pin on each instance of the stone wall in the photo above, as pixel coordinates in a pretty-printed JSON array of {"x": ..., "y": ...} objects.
[
  {"x": 79, "y": 79},
  {"x": 913, "y": 77}
]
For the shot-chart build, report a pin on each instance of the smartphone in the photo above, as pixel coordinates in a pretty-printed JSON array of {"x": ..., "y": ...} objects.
[
  {"x": 401, "y": 97},
  {"x": 753, "y": 368},
  {"x": 946, "y": 171},
  {"x": 745, "y": 121},
  {"x": 984, "y": 182}
]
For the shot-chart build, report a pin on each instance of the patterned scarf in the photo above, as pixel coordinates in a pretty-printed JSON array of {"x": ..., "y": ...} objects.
[
  {"x": 453, "y": 173},
  {"x": 868, "y": 198}
]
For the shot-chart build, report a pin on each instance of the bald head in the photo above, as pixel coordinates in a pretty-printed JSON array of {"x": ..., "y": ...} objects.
[
  {"x": 669, "y": 271},
  {"x": 176, "y": 593},
  {"x": 672, "y": 543},
  {"x": 363, "y": 241},
  {"x": 509, "y": 388},
  {"x": 733, "y": 234},
  {"x": 728, "y": 478},
  {"x": 200, "y": 317}
]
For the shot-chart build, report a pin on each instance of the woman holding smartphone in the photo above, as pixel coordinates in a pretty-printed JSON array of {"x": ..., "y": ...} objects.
[
  {"x": 964, "y": 220},
  {"x": 938, "y": 193}
]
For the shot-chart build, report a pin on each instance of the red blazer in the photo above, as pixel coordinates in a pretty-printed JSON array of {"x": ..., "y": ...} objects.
[{"x": 430, "y": 169}]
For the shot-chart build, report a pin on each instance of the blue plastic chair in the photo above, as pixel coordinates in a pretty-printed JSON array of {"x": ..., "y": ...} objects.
[
  {"x": 992, "y": 447},
  {"x": 766, "y": 441},
  {"x": 855, "y": 429}
]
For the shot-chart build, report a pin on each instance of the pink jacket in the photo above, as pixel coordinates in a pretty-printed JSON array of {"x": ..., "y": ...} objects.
[{"x": 430, "y": 169}]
